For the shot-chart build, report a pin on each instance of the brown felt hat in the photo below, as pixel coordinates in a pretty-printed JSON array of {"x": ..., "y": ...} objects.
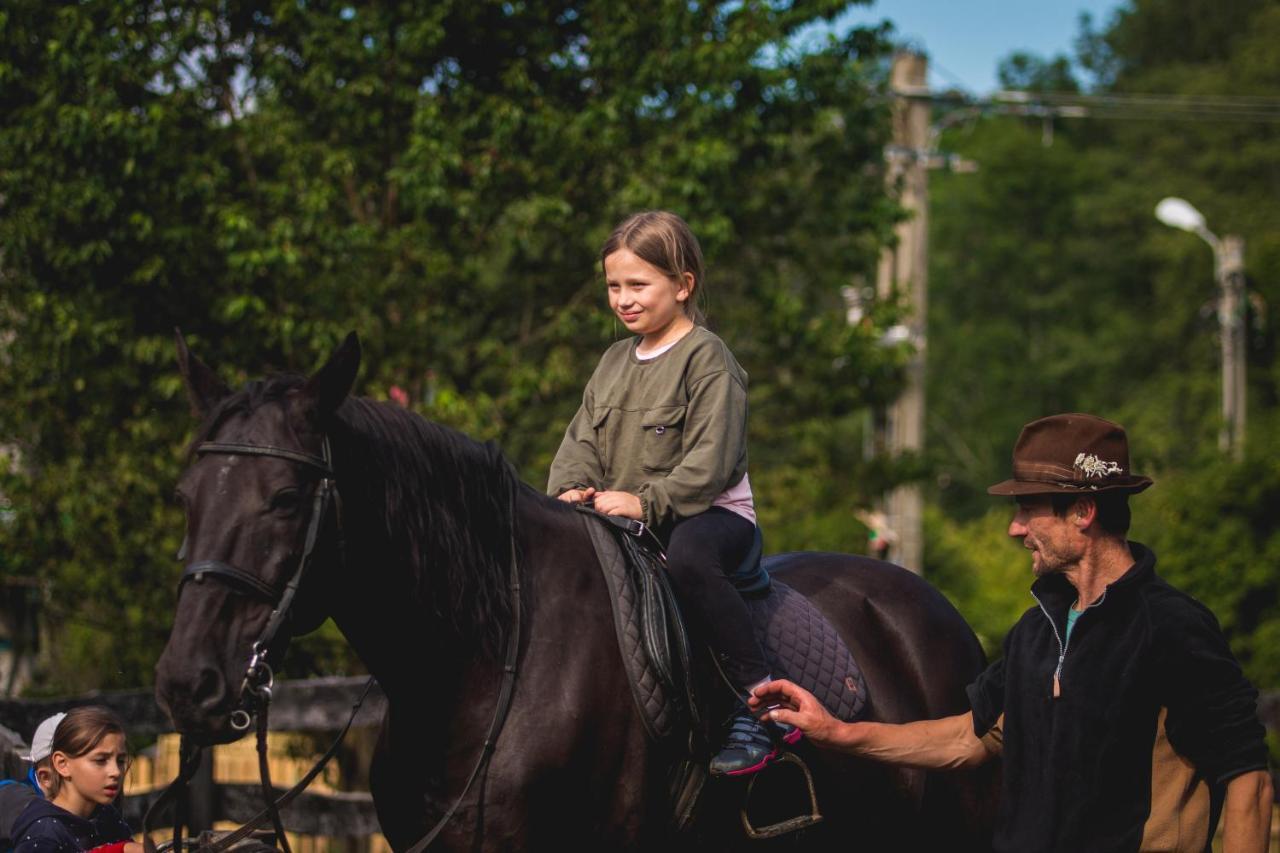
[{"x": 1071, "y": 454}]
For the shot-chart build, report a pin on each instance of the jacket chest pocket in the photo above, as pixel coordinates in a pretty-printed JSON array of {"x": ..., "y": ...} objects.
[
  {"x": 599, "y": 425},
  {"x": 663, "y": 443}
]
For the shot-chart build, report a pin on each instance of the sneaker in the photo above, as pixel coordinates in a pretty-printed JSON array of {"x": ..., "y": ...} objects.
[{"x": 749, "y": 747}]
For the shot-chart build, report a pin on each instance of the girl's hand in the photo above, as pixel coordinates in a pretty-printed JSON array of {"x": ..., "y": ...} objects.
[
  {"x": 577, "y": 496},
  {"x": 619, "y": 503}
]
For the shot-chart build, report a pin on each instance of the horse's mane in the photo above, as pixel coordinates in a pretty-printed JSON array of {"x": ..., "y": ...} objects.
[{"x": 445, "y": 501}]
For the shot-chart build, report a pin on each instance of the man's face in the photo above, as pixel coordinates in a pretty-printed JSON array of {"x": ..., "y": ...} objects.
[{"x": 1056, "y": 543}]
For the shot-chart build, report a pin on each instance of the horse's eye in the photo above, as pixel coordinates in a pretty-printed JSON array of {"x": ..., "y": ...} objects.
[{"x": 286, "y": 501}]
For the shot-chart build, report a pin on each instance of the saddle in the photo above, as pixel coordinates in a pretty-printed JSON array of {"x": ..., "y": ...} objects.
[{"x": 798, "y": 641}]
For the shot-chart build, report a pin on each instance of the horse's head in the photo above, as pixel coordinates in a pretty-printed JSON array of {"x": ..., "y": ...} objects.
[{"x": 256, "y": 496}]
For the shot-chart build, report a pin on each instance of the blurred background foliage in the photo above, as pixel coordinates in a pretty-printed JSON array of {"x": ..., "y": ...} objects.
[
  {"x": 1054, "y": 288},
  {"x": 439, "y": 178}
]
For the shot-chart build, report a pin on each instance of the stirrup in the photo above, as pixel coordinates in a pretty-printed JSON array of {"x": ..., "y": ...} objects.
[{"x": 803, "y": 821}]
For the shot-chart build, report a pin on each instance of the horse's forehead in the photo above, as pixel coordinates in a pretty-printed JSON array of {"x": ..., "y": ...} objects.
[{"x": 267, "y": 424}]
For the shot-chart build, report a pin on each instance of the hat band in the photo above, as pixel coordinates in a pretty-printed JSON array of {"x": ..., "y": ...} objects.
[{"x": 1060, "y": 475}]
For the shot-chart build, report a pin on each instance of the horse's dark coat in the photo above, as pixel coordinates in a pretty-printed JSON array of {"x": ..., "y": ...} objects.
[{"x": 422, "y": 598}]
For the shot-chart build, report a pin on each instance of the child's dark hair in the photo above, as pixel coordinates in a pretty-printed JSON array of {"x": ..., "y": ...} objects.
[
  {"x": 663, "y": 239},
  {"x": 80, "y": 731}
]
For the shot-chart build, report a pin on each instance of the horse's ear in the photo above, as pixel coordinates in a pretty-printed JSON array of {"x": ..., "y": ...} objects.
[
  {"x": 332, "y": 383},
  {"x": 204, "y": 388}
]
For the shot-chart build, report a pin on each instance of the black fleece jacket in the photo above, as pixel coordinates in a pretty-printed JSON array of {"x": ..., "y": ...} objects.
[{"x": 1077, "y": 766}]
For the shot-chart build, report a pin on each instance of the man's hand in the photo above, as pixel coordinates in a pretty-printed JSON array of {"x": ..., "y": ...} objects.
[
  {"x": 577, "y": 496},
  {"x": 943, "y": 744},
  {"x": 795, "y": 707},
  {"x": 619, "y": 503}
]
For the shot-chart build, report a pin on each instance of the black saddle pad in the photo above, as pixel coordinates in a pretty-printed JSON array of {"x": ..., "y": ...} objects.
[{"x": 802, "y": 646}]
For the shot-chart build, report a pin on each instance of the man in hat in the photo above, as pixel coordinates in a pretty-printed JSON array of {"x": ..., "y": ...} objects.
[
  {"x": 1119, "y": 711},
  {"x": 16, "y": 793}
]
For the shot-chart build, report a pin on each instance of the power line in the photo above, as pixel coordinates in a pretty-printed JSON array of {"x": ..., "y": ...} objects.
[
  {"x": 934, "y": 65},
  {"x": 1249, "y": 108}
]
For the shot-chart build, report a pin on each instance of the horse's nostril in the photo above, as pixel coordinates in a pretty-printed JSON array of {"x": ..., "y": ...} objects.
[{"x": 209, "y": 690}]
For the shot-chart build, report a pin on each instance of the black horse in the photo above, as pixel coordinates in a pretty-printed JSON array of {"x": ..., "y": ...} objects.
[{"x": 414, "y": 567}]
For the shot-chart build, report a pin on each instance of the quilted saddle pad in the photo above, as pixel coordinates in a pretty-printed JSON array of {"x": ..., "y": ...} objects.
[{"x": 802, "y": 646}]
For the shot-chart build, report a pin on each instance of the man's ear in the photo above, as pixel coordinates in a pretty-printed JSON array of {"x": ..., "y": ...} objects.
[
  {"x": 204, "y": 389},
  {"x": 1084, "y": 511},
  {"x": 324, "y": 392}
]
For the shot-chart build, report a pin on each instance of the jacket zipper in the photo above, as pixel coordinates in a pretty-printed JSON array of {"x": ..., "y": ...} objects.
[{"x": 1062, "y": 647}]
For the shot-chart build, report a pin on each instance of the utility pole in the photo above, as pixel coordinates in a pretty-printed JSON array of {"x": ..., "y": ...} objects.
[
  {"x": 1229, "y": 259},
  {"x": 903, "y": 272}
]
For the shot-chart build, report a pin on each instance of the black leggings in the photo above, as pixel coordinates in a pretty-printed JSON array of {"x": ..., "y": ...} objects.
[{"x": 702, "y": 552}]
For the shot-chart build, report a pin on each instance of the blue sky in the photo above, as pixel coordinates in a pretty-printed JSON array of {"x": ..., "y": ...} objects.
[{"x": 966, "y": 39}]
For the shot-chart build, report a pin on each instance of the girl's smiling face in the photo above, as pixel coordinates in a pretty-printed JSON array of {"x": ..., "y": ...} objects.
[
  {"x": 647, "y": 301},
  {"x": 91, "y": 779}
]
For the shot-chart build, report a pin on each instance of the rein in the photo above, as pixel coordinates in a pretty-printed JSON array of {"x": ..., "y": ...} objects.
[
  {"x": 188, "y": 763},
  {"x": 254, "y": 822},
  {"x": 259, "y": 679}
]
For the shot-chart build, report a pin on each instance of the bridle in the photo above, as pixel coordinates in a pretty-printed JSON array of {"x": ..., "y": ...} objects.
[
  {"x": 259, "y": 678},
  {"x": 255, "y": 689}
]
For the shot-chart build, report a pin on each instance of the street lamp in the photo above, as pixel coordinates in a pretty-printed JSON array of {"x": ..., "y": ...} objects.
[{"x": 1228, "y": 262}]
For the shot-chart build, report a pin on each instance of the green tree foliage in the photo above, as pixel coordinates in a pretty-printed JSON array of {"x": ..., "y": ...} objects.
[
  {"x": 437, "y": 177},
  {"x": 982, "y": 570},
  {"x": 1054, "y": 288},
  {"x": 1213, "y": 526}
]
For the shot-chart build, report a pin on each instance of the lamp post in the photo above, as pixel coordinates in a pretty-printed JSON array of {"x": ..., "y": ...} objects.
[{"x": 1228, "y": 262}]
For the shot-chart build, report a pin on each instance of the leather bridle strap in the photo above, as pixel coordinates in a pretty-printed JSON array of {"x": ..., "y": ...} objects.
[
  {"x": 264, "y": 771},
  {"x": 188, "y": 763},
  {"x": 234, "y": 449},
  {"x": 505, "y": 692},
  {"x": 319, "y": 508},
  {"x": 284, "y": 799},
  {"x": 248, "y": 581}
]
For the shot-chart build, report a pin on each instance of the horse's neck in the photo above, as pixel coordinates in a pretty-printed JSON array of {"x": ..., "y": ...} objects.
[{"x": 378, "y": 602}]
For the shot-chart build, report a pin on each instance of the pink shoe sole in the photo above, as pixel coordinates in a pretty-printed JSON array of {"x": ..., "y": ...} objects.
[{"x": 755, "y": 768}]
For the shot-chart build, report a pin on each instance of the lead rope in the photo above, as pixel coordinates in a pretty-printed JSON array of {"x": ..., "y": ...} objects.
[{"x": 504, "y": 693}]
